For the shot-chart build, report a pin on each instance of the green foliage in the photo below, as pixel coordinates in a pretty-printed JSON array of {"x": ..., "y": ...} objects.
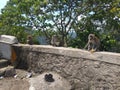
[
  {"x": 80, "y": 40},
  {"x": 107, "y": 42}
]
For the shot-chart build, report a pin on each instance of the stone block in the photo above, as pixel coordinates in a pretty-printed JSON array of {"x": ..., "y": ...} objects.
[
  {"x": 3, "y": 63},
  {"x": 8, "y": 39}
]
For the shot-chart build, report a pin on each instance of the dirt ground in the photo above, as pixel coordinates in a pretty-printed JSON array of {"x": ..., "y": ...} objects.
[
  {"x": 14, "y": 84},
  {"x": 18, "y": 82},
  {"x": 24, "y": 80}
]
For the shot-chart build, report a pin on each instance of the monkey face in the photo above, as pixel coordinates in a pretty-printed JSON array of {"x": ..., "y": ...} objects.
[
  {"x": 93, "y": 43},
  {"x": 29, "y": 37},
  {"x": 91, "y": 37}
]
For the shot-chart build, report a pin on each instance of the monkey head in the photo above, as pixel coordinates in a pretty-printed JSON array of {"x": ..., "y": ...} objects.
[
  {"x": 29, "y": 37},
  {"x": 91, "y": 36}
]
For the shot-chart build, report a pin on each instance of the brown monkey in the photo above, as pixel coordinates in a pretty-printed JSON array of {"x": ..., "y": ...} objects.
[
  {"x": 29, "y": 40},
  {"x": 55, "y": 40},
  {"x": 93, "y": 43}
]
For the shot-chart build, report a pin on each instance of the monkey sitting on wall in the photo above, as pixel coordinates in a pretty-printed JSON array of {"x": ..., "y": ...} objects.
[
  {"x": 93, "y": 43},
  {"x": 55, "y": 40},
  {"x": 29, "y": 40}
]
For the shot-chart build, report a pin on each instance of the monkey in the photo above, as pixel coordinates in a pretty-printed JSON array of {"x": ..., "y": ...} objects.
[
  {"x": 55, "y": 40},
  {"x": 29, "y": 40},
  {"x": 93, "y": 43}
]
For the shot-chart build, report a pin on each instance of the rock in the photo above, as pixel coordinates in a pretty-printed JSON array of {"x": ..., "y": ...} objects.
[
  {"x": 57, "y": 83},
  {"x": 10, "y": 71},
  {"x": 8, "y": 39},
  {"x": 7, "y": 71}
]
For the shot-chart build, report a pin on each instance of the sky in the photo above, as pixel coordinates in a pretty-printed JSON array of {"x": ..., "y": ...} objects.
[{"x": 2, "y": 4}]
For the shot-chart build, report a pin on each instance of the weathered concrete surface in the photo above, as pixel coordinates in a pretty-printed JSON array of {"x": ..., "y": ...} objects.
[
  {"x": 109, "y": 57},
  {"x": 82, "y": 69},
  {"x": 14, "y": 84},
  {"x": 5, "y": 51}
]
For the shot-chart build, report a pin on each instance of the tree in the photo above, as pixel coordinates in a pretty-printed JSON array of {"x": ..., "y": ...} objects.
[
  {"x": 62, "y": 17},
  {"x": 103, "y": 19},
  {"x": 12, "y": 21}
]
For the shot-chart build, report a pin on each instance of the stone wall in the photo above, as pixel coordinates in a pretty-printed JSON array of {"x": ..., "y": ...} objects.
[{"x": 82, "y": 69}]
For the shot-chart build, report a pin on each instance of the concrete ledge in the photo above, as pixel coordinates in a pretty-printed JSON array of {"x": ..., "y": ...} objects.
[{"x": 108, "y": 57}]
